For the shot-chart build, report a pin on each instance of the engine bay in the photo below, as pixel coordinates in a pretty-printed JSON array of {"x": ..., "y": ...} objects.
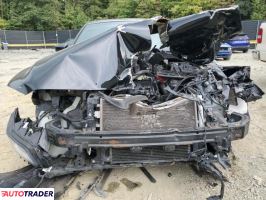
[
  {"x": 116, "y": 101},
  {"x": 156, "y": 94}
]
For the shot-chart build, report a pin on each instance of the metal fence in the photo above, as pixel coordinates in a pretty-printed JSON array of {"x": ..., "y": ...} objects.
[
  {"x": 45, "y": 39},
  {"x": 33, "y": 39}
]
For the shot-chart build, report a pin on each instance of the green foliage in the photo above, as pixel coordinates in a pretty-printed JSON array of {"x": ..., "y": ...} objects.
[
  {"x": 34, "y": 14},
  {"x": 187, "y": 7},
  {"x": 225, "y": 3},
  {"x": 148, "y": 8},
  {"x": 121, "y": 9},
  {"x": 74, "y": 17},
  {"x": 3, "y": 23},
  {"x": 259, "y": 9},
  {"x": 246, "y": 8},
  {"x": 166, "y": 6},
  {"x": 94, "y": 9},
  {"x": 49, "y": 16},
  {"x": 72, "y": 14}
]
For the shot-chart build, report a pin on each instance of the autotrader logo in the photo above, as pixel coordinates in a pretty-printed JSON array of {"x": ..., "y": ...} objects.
[{"x": 26, "y": 193}]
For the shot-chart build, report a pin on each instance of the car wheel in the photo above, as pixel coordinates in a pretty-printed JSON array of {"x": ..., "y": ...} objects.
[{"x": 245, "y": 51}]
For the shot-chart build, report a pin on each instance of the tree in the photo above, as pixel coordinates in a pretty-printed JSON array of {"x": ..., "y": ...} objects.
[
  {"x": 246, "y": 8},
  {"x": 94, "y": 9},
  {"x": 3, "y": 23},
  {"x": 48, "y": 14},
  {"x": 23, "y": 14},
  {"x": 34, "y": 14},
  {"x": 73, "y": 16},
  {"x": 69, "y": 14},
  {"x": 166, "y": 6},
  {"x": 121, "y": 9},
  {"x": 259, "y": 10},
  {"x": 188, "y": 7},
  {"x": 225, "y": 3},
  {"x": 148, "y": 8}
]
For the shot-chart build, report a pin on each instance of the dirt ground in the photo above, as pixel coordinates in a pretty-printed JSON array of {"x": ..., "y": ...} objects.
[{"x": 247, "y": 177}]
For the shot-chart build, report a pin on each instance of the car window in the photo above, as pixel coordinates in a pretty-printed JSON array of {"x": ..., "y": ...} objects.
[{"x": 93, "y": 29}]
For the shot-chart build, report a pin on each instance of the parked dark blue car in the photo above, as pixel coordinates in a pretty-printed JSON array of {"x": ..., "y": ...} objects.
[
  {"x": 224, "y": 52},
  {"x": 239, "y": 43}
]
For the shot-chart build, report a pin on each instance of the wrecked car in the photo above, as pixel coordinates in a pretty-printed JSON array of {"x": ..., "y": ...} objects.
[{"x": 146, "y": 92}]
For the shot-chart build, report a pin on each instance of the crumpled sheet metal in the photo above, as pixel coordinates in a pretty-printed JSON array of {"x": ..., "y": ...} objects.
[
  {"x": 97, "y": 63},
  {"x": 91, "y": 65},
  {"x": 199, "y": 36},
  {"x": 79, "y": 67}
]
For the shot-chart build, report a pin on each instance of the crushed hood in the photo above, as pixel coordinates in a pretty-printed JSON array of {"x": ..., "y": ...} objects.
[
  {"x": 198, "y": 37},
  {"x": 96, "y": 64}
]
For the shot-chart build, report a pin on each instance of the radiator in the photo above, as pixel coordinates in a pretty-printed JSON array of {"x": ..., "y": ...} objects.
[{"x": 178, "y": 113}]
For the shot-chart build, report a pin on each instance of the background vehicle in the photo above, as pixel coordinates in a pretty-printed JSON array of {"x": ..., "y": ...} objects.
[
  {"x": 239, "y": 42},
  {"x": 260, "y": 52},
  {"x": 224, "y": 52}
]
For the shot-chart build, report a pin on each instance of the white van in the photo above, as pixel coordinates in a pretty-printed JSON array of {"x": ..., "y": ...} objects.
[{"x": 260, "y": 52}]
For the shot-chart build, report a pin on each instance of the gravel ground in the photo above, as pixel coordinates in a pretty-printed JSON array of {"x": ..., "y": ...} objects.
[{"x": 247, "y": 177}]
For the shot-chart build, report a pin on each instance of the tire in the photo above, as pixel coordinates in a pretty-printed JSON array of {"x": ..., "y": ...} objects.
[{"x": 245, "y": 51}]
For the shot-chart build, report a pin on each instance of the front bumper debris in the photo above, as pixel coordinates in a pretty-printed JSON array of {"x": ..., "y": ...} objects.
[
  {"x": 68, "y": 138},
  {"x": 19, "y": 132},
  {"x": 132, "y": 143}
]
